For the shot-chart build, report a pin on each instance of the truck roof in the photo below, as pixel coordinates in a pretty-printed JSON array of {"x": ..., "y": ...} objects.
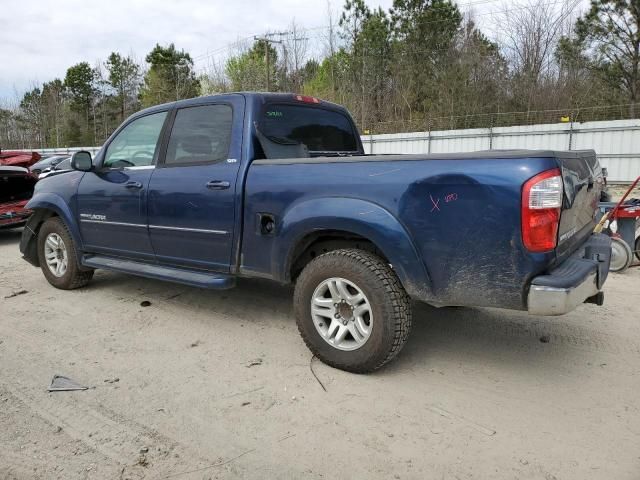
[{"x": 262, "y": 97}]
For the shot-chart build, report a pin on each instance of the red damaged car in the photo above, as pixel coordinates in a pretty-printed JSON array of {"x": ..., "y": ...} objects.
[{"x": 16, "y": 187}]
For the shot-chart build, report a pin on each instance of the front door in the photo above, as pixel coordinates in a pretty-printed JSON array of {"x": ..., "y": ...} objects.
[
  {"x": 191, "y": 197},
  {"x": 112, "y": 199}
]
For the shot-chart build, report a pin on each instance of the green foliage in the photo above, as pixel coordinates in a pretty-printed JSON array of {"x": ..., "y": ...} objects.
[
  {"x": 248, "y": 71},
  {"x": 170, "y": 76},
  {"x": 608, "y": 36},
  {"x": 124, "y": 78},
  {"x": 79, "y": 84}
]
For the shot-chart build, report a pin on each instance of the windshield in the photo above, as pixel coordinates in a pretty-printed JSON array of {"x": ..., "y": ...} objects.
[
  {"x": 318, "y": 129},
  {"x": 64, "y": 165}
]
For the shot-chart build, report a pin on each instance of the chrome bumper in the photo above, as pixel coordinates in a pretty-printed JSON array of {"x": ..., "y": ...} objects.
[
  {"x": 577, "y": 280},
  {"x": 558, "y": 301}
]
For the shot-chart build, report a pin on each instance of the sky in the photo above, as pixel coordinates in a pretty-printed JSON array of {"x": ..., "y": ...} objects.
[{"x": 40, "y": 39}]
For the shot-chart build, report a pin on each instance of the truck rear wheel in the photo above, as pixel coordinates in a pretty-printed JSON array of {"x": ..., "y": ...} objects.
[
  {"x": 57, "y": 256},
  {"x": 351, "y": 310}
]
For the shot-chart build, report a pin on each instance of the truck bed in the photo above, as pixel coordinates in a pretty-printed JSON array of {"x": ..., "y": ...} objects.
[{"x": 461, "y": 213}]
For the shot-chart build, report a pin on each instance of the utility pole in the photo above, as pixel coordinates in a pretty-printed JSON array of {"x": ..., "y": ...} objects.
[{"x": 267, "y": 41}]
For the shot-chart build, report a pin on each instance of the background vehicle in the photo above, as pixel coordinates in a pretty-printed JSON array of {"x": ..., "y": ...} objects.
[
  {"x": 62, "y": 166},
  {"x": 16, "y": 158},
  {"x": 47, "y": 162},
  {"x": 277, "y": 186},
  {"x": 16, "y": 188}
]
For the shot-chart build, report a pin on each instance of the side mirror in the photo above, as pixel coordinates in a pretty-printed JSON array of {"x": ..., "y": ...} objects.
[{"x": 82, "y": 161}]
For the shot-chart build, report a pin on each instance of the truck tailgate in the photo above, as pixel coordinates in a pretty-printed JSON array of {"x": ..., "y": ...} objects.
[{"x": 583, "y": 182}]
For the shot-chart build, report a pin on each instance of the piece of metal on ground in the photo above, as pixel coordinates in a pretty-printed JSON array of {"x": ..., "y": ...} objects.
[{"x": 60, "y": 383}]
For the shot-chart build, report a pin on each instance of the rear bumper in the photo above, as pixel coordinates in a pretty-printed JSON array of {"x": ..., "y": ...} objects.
[{"x": 578, "y": 279}]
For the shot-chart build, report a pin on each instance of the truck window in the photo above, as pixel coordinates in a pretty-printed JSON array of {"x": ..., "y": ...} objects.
[
  {"x": 200, "y": 135},
  {"x": 135, "y": 145},
  {"x": 318, "y": 129}
]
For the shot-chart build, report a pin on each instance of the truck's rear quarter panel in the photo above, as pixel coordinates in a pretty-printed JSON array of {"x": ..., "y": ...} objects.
[{"x": 462, "y": 216}]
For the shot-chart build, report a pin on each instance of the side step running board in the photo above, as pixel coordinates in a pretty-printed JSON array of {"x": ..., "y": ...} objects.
[{"x": 215, "y": 281}]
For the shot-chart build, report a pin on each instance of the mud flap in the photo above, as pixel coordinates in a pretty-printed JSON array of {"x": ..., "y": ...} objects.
[{"x": 29, "y": 240}]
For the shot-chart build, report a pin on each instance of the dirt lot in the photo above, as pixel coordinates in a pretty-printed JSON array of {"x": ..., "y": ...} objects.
[{"x": 207, "y": 384}]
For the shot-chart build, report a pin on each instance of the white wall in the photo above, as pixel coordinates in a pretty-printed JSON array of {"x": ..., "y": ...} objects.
[{"x": 616, "y": 142}]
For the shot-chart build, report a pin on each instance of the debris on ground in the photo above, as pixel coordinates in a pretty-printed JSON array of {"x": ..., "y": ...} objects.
[
  {"x": 545, "y": 339},
  {"x": 15, "y": 294},
  {"x": 244, "y": 404},
  {"x": 314, "y": 373},
  {"x": 195, "y": 344},
  {"x": 112, "y": 380},
  {"x": 145, "y": 303},
  {"x": 142, "y": 460},
  {"x": 254, "y": 362},
  {"x": 144, "y": 449},
  {"x": 60, "y": 383}
]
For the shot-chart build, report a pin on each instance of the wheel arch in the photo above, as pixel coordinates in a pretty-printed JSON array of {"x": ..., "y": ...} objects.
[
  {"x": 45, "y": 206},
  {"x": 332, "y": 223}
]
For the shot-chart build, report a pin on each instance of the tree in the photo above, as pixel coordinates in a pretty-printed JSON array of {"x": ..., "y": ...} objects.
[
  {"x": 170, "y": 76},
  {"x": 530, "y": 38},
  {"x": 249, "y": 70},
  {"x": 53, "y": 107},
  {"x": 424, "y": 31},
  {"x": 79, "y": 84},
  {"x": 352, "y": 22},
  {"x": 31, "y": 116},
  {"x": 609, "y": 36},
  {"x": 124, "y": 77}
]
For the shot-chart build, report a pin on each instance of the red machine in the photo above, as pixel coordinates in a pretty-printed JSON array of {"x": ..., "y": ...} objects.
[{"x": 621, "y": 220}]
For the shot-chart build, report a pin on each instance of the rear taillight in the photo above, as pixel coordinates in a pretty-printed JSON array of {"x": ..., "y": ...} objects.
[{"x": 541, "y": 205}]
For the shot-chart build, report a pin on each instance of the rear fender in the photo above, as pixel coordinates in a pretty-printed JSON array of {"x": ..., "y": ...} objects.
[{"x": 354, "y": 216}]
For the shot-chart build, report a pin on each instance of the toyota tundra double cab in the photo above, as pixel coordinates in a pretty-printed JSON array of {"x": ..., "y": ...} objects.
[{"x": 278, "y": 187}]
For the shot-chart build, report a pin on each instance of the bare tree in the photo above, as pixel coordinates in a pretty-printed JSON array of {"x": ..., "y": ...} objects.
[
  {"x": 530, "y": 32},
  {"x": 295, "y": 47}
]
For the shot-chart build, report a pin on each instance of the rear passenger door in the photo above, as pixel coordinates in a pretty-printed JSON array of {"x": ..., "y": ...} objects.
[{"x": 191, "y": 199}]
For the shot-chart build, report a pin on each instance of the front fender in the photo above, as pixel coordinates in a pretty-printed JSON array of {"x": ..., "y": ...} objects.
[
  {"x": 55, "y": 203},
  {"x": 355, "y": 216}
]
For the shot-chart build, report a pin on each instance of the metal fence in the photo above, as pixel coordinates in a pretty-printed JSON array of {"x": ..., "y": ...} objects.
[{"x": 617, "y": 142}]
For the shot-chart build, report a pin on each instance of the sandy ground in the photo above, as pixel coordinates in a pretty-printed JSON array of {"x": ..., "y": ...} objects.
[{"x": 207, "y": 384}]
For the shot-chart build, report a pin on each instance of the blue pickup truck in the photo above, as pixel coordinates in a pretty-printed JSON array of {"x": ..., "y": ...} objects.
[{"x": 277, "y": 186}]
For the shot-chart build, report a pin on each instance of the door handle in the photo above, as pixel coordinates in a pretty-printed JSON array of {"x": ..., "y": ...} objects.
[
  {"x": 218, "y": 185},
  {"x": 133, "y": 185}
]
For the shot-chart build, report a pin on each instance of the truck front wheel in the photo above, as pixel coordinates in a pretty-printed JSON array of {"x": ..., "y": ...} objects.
[
  {"x": 57, "y": 256},
  {"x": 352, "y": 310}
]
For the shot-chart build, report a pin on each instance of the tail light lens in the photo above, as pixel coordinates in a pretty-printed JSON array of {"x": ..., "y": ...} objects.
[{"x": 541, "y": 205}]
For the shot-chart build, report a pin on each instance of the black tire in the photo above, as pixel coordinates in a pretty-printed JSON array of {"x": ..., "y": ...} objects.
[
  {"x": 390, "y": 307},
  {"x": 75, "y": 276}
]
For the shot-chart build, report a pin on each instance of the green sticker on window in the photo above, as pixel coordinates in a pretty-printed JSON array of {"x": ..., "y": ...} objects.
[{"x": 274, "y": 113}]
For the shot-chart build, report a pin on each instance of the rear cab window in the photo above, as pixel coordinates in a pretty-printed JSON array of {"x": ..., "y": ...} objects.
[{"x": 321, "y": 131}]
